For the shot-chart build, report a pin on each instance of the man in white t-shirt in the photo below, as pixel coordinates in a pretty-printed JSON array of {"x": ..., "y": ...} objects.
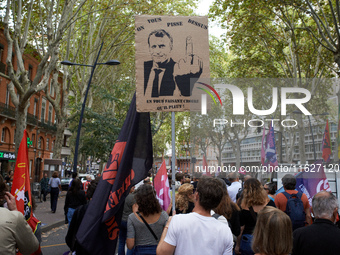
[
  {"x": 235, "y": 185},
  {"x": 198, "y": 232}
]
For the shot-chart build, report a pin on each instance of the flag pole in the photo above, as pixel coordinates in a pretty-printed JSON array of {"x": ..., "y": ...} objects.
[{"x": 173, "y": 158}]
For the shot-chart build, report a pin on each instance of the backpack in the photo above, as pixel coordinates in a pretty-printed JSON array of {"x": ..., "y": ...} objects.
[{"x": 295, "y": 209}]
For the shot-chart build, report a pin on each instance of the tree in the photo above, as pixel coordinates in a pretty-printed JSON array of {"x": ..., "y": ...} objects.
[
  {"x": 111, "y": 22},
  {"x": 267, "y": 40},
  {"x": 21, "y": 29}
]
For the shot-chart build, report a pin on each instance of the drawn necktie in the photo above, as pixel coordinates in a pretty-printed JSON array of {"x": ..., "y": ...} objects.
[{"x": 155, "y": 83}]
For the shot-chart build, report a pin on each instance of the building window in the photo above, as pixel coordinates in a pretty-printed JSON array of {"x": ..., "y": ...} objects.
[
  {"x": 30, "y": 168},
  {"x": 50, "y": 108},
  {"x": 7, "y": 97},
  {"x": 43, "y": 109},
  {"x": 30, "y": 72},
  {"x": 52, "y": 145},
  {"x": 13, "y": 59},
  {"x": 2, "y": 60},
  {"x": 3, "y": 135},
  {"x": 33, "y": 140},
  {"x": 1, "y": 52},
  {"x": 39, "y": 142},
  {"x": 47, "y": 143},
  {"x": 35, "y": 107}
]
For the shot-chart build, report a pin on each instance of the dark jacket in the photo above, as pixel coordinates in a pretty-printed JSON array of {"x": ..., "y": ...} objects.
[
  {"x": 70, "y": 238},
  {"x": 322, "y": 237},
  {"x": 74, "y": 200},
  {"x": 168, "y": 82}
]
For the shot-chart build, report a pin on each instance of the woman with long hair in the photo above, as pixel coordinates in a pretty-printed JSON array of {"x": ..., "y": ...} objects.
[
  {"x": 55, "y": 185},
  {"x": 254, "y": 199},
  {"x": 272, "y": 233},
  {"x": 75, "y": 197},
  {"x": 229, "y": 210},
  {"x": 139, "y": 236},
  {"x": 77, "y": 218},
  {"x": 183, "y": 199}
]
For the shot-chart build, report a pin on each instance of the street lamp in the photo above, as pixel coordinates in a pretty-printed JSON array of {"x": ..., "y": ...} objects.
[
  {"x": 310, "y": 126},
  {"x": 68, "y": 63}
]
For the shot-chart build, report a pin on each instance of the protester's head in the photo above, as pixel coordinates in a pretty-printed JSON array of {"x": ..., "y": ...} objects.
[
  {"x": 160, "y": 45},
  {"x": 273, "y": 232},
  {"x": 183, "y": 196},
  {"x": 289, "y": 182},
  {"x": 226, "y": 206},
  {"x": 186, "y": 180},
  {"x": 253, "y": 193},
  {"x": 91, "y": 189},
  {"x": 146, "y": 200},
  {"x": 246, "y": 177},
  {"x": 55, "y": 174},
  {"x": 209, "y": 193},
  {"x": 147, "y": 180},
  {"x": 325, "y": 205},
  {"x": 179, "y": 177},
  {"x": 75, "y": 186},
  {"x": 74, "y": 175},
  {"x": 270, "y": 188},
  {"x": 234, "y": 177},
  {"x": 3, "y": 190},
  {"x": 88, "y": 178},
  {"x": 45, "y": 175}
]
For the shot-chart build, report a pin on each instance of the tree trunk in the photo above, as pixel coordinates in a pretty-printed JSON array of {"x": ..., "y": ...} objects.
[
  {"x": 21, "y": 118},
  {"x": 301, "y": 139},
  {"x": 58, "y": 144}
]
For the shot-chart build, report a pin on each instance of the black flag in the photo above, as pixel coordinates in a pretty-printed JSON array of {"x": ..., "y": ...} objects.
[{"x": 129, "y": 163}]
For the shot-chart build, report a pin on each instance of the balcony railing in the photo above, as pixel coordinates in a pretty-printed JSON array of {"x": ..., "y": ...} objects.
[
  {"x": 2, "y": 68},
  {"x": 47, "y": 125},
  {"x": 32, "y": 119},
  {"x": 7, "y": 110}
]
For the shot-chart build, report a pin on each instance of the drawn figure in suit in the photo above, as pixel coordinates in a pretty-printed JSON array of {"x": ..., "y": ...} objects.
[{"x": 162, "y": 75}]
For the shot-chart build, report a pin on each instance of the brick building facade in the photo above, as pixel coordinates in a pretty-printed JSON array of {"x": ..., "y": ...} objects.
[{"x": 41, "y": 120}]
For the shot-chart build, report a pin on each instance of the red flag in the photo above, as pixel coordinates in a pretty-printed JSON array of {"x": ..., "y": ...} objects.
[
  {"x": 21, "y": 188},
  {"x": 326, "y": 145},
  {"x": 161, "y": 184},
  {"x": 205, "y": 167}
]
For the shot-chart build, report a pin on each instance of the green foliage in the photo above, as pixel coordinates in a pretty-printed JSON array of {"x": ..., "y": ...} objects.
[
  {"x": 269, "y": 39},
  {"x": 112, "y": 86}
]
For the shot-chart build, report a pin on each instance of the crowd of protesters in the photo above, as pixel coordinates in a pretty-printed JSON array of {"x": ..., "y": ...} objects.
[{"x": 211, "y": 216}]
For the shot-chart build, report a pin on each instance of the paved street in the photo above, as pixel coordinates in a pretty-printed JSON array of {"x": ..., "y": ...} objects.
[
  {"x": 48, "y": 219},
  {"x": 53, "y": 241},
  {"x": 53, "y": 228}
]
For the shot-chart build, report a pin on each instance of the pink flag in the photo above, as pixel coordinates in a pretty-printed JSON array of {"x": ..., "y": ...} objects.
[
  {"x": 326, "y": 145},
  {"x": 271, "y": 158},
  {"x": 312, "y": 180},
  {"x": 242, "y": 171},
  {"x": 205, "y": 167},
  {"x": 263, "y": 147},
  {"x": 161, "y": 184}
]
